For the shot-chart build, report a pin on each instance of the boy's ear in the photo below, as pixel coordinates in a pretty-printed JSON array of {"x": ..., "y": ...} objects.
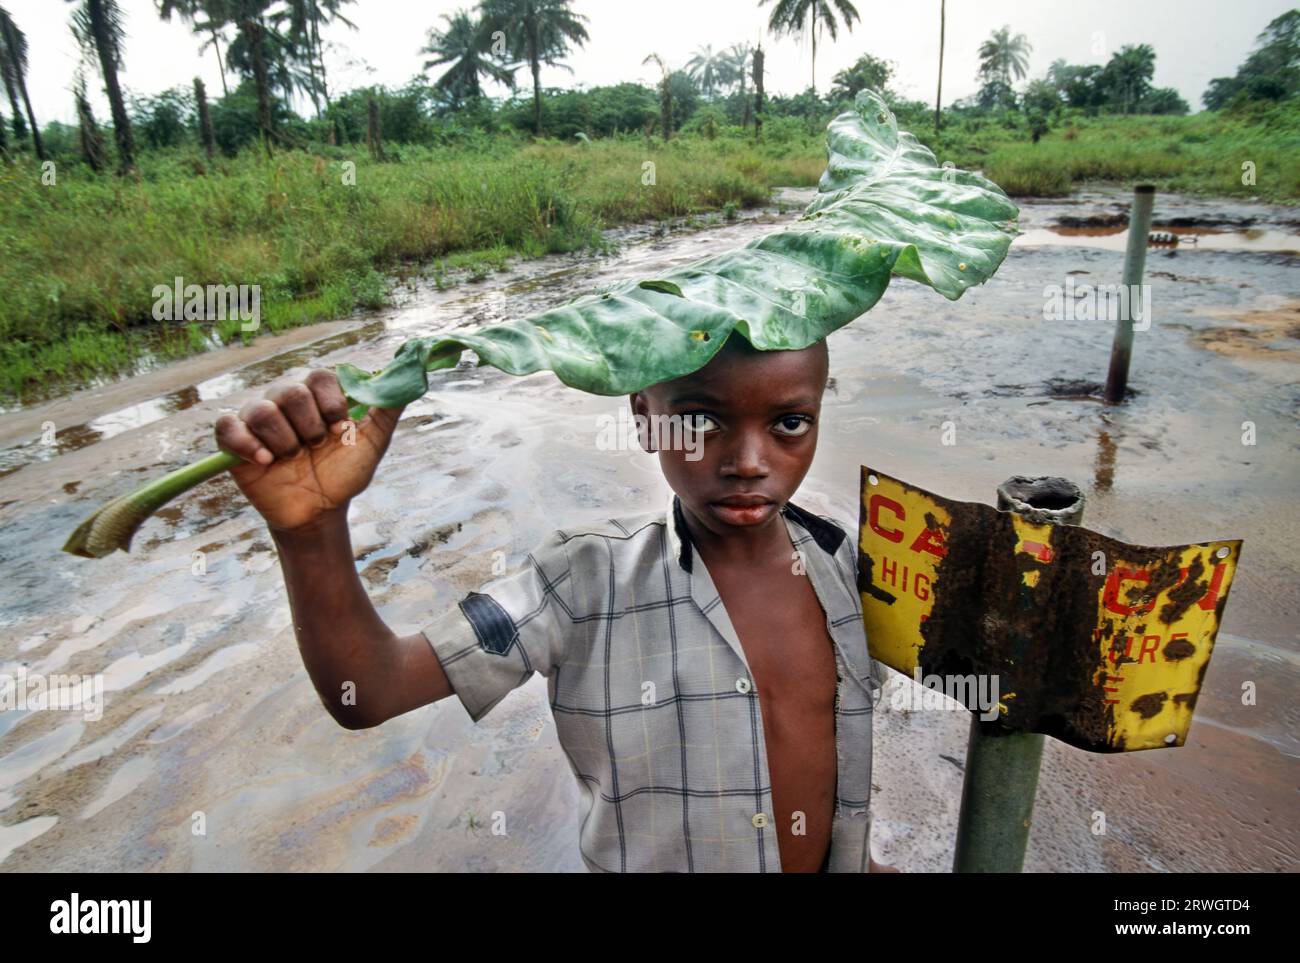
[{"x": 641, "y": 418}]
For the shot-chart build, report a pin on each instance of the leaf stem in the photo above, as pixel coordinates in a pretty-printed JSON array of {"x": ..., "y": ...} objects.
[{"x": 115, "y": 524}]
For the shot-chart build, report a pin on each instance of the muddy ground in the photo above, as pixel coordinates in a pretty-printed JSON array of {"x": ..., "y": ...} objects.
[{"x": 214, "y": 753}]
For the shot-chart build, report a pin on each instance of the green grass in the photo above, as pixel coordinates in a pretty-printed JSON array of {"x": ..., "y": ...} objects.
[
  {"x": 1202, "y": 153},
  {"x": 79, "y": 259}
]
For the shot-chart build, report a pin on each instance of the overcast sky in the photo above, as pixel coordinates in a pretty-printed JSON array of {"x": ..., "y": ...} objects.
[{"x": 1194, "y": 41}]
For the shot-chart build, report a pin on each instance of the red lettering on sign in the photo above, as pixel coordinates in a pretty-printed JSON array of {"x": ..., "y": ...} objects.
[
  {"x": 889, "y": 576},
  {"x": 873, "y": 517},
  {"x": 1111, "y": 597},
  {"x": 1211, "y": 597},
  {"x": 1112, "y": 678},
  {"x": 1112, "y": 602},
  {"x": 1119, "y": 649},
  {"x": 1150, "y": 643},
  {"x": 930, "y": 541}
]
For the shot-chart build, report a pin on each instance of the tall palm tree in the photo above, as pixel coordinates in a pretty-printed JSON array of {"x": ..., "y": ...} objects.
[
  {"x": 737, "y": 59},
  {"x": 261, "y": 51},
  {"x": 800, "y": 16},
  {"x": 197, "y": 14},
  {"x": 938, "y": 96},
  {"x": 665, "y": 95},
  {"x": 1127, "y": 77},
  {"x": 305, "y": 20},
  {"x": 538, "y": 32},
  {"x": 708, "y": 69},
  {"x": 1002, "y": 56},
  {"x": 13, "y": 53},
  {"x": 464, "y": 44},
  {"x": 88, "y": 136},
  {"x": 207, "y": 137},
  {"x": 98, "y": 25},
  {"x": 13, "y": 64}
]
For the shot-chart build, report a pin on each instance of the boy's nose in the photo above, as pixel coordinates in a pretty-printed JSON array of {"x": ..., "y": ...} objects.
[{"x": 745, "y": 458}]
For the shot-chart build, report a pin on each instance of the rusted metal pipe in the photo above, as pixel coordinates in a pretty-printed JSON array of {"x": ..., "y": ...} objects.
[
  {"x": 1135, "y": 257},
  {"x": 997, "y": 799}
]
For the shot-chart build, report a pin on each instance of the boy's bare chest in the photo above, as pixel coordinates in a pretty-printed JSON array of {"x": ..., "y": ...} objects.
[{"x": 782, "y": 629}]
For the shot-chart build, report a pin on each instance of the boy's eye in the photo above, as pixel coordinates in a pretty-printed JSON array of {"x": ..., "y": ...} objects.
[
  {"x": 794, "y": 425},
  {"x": 698, "y": 422}
]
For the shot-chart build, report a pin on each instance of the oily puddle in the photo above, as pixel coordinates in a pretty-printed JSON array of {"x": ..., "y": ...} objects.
[{"x": 1115, "y": 238}]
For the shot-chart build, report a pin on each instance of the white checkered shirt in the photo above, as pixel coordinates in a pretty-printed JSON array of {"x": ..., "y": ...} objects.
[{"x": 651, "y": 693}]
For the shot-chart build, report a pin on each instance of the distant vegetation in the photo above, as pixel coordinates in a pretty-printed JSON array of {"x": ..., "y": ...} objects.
[
  {"x": 272, "y": 54},
  {"x": 80, "y": 262},
  {"x": 236, "y": 186}
]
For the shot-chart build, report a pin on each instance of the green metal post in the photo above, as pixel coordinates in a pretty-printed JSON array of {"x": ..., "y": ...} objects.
[
  {"x": 1135, "y": 259},
  {"x": 997, "y": 798}
]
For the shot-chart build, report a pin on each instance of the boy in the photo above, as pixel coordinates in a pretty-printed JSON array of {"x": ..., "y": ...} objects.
[{"x": 707, "y": 666}]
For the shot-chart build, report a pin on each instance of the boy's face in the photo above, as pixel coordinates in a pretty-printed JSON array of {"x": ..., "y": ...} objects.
[{"x": 750, "y": 419}]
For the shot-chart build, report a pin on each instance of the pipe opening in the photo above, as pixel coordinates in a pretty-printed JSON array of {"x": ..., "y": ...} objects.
[
  {"x": 1043, "y": 499},
  {"x": 1051, "y": 501}
]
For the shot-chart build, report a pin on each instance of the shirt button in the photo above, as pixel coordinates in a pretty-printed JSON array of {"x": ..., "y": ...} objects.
[
  {"x": 742, "y": 686},
  {"x": 759, "y": 820}
]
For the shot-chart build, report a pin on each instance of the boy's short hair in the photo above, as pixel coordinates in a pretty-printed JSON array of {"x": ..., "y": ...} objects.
[{"x": 737, "y": 343}]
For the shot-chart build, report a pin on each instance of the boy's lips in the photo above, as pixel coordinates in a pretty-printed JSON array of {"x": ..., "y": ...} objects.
[
  {"x": 743, "y": 509},
  {"x": 744, "y": 501}
]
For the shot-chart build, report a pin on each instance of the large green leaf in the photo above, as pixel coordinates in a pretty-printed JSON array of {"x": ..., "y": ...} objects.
[{"x": 883, "y": 207}]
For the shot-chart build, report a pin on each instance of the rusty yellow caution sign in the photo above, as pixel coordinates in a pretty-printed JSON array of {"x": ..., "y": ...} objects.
[{"x": 1092, "y": 641}]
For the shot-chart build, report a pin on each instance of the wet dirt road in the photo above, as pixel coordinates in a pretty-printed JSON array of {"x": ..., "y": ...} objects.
[{"x": 213, "y": 751}]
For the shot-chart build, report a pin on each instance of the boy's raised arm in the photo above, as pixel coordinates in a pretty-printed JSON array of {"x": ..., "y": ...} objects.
[{"x": 302, "y": 467}]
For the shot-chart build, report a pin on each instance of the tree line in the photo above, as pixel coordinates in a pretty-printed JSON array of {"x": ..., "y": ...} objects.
[{"x": 274, "y": 50}]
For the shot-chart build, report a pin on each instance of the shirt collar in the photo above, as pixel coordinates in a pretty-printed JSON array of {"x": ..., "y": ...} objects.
[{"x": 827, "y": 536}]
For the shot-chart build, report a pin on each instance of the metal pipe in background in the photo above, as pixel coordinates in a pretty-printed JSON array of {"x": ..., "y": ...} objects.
[
  {"x": 1135, "y": 258},
  {"x": 997, "y": 798}
]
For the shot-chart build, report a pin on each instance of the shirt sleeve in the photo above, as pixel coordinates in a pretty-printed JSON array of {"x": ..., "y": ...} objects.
[{"x": 494, "y": 639}]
